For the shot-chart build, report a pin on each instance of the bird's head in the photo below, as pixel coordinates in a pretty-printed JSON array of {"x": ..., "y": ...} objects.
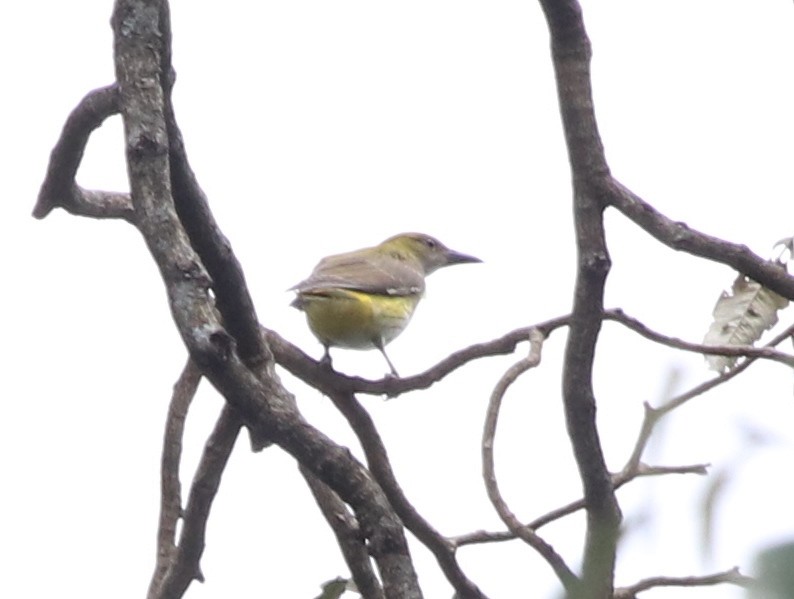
[{"x": 427, "y": 250}]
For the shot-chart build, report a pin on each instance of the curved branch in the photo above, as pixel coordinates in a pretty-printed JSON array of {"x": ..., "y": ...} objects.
[
  {"x": 528, "y": 535},
  {"x": 633, "y": 467},
  {"x": 59, "y": 188},
  {"x": 170, "y": 490}
]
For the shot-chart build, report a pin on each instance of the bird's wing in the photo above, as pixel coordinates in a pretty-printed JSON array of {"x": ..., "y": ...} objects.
[{"x": 379, "y": 274}]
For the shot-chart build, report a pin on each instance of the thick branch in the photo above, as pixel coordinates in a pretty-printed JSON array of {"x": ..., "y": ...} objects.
[
  {"x": 258, "y": 396},
  {"x": 232, "y": 298},
  {"x": 571, "y": 57}
]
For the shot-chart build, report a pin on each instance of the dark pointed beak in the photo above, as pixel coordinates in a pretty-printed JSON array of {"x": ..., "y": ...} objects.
[{"x": 454, "y": 257}]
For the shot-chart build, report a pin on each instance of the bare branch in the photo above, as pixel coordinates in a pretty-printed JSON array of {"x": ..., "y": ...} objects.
[
  {"x": 59, "y": 188},
  {"x": 732, "y": 576},
  {"x": 635, "y": 325},
  {"x": 185, "y": 565},
  {"x": 679, "y": 236},
  {"x": 380, "y": 466},
  {"x": 348, "y": 536},
  {"x": 232, "y": 298},
  {"x": 724, "y": 377},
  {"x": 329, "y": 381},
  {"x": 528, "y": 535},
  {"x": 170, "y": 489},
  {"x": 571, "y": 53},
  {"x": 258, "y": 396}
]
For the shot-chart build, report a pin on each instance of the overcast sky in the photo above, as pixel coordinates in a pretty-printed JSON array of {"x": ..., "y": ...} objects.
[{"x": 316, "y": 127}]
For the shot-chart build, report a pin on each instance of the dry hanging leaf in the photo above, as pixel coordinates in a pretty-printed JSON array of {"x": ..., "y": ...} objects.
[{"x": 741, "y": 317}]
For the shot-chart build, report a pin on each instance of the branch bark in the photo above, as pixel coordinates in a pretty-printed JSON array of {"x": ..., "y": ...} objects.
[
  {"x": 170, "y": 488},
  {"x": 532, "y": 538},
  {"x": 140, "y": 44},
  {"x": 571, "y": 52},
  {"x": 348, "y": 536},
  {"x": 59, "y": 188}
]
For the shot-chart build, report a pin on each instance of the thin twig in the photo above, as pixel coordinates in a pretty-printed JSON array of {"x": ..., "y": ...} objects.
[
  {"x": 185, "y": 565},
  {"x": 633, "y": 467},
  {"x": 745, "y": 351},
  {"x": 732, "y": 576},
  {"x": 170, "y": 488},
  {"x": 564, "y": 573}
]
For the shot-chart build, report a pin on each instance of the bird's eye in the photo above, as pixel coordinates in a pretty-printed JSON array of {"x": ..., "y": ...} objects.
[{"x": 430, "y": 242}]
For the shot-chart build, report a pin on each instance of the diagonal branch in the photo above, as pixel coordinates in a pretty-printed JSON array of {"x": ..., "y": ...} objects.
[
  {"x": 348, "y": 536},
  {"x": 185, "y": 566},
  {"x": 679, "y": 236},
  {"x": 527, "y": 534},
  {"x": 378, "y": 462},
  {"x": 258, "y": 397}
]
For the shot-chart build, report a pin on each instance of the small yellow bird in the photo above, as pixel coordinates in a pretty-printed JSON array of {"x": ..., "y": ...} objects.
[{"x": 365, "y": 298}]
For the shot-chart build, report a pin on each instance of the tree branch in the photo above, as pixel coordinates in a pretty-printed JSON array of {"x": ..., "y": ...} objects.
[
  {"x": 766, "y": 352},
  {"x": 732, "y": 576},
  {"x": 259, "y": 397},
  {"x": 170, "y": 490},
  {"x": 348, "y": 536},
  {"x": 185, "y": 564},
  {"x": 528, "y": 535},
  {"x": 380, "y": 466},
  {"x": 634, "y": 467},
  {"x": 59, "y": 188},
  {"x": 679, "y": 236},
  {"x": 571, "y": 57},
  {"x": 329, "y": 381}
]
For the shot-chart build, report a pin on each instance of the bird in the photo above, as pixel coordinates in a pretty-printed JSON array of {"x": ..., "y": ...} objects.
[{"x": 365, "y": 298}]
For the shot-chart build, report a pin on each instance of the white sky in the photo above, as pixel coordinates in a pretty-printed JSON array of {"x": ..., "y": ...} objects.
[{"x": 318, "y": 127}]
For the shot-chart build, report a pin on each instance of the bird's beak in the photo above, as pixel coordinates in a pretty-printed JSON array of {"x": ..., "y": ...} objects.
[{"x": 454, "y": 257}]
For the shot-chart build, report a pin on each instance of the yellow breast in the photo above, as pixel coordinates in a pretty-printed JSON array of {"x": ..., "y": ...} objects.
[{"x": 354, "y": 319}]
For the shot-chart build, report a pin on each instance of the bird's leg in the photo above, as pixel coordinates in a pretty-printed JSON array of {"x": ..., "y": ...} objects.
[
  {"x": 325, "y": 361},
  {"x": 391, "y": 366}
]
